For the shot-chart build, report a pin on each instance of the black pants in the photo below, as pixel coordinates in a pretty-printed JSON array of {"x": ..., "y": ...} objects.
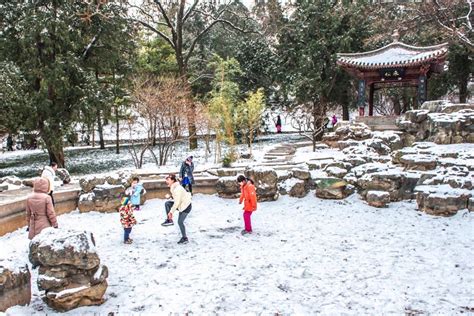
[
  {"x": 52, "y": 198},
  {"x": 181, "y": 218}
]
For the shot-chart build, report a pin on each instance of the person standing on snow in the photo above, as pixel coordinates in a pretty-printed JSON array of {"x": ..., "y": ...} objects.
[
  {"x": 181, "y": 203},
  {"x": 278, "y": 124},
  {"x": 186, "y": 174},
  {"x": 134, "y": 191},
  {"x": 49, "y": 173},
  {"x": 127, "y": 219},
  {"x": 248, "y": 195},
  {"x": 39, "y": 209}
]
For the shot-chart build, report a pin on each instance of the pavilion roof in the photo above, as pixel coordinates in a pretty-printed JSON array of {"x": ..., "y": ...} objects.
[{"x": 395, "y": 54}]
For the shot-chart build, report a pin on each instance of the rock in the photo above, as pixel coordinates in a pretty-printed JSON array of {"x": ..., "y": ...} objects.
[
  {"x": 283, "y": 175},
  {"x": 319, "y": 164},
  {"x": 334, "y": 171},
  {"x": 228, "y": 172},
  {"x": 378, "y": 198},
  {"x": 15, "y": 285},
  {"x": 89, "y": 183},
  {"x": 55, "y": 247},
  {"x": 441, "y": 200},
  {"x": 354, "y": 160},
  {"x": 333, "y": 188},
  {"x": 470, "y": 204},
  {"x": 419, "y": 162},
  {"x": 64, "y": 175},
  {"x": 12, "y": 180},
  {"x": 378, "y": 145},
  {"x": 357, "y": 131},
  {"x": 227, "y": 187},
  {"x": 3, "y": 187},
  {"x": 74, "y": 297},
  {"x": 28, "y": 182},
  {"x": 440, "y": 122},
  {"x": 400, "y": 185},
  {"x": 103, "y": 198},
  {"x": 245, "y": 155},
  {"x": 70, "y": 273},
  {"x": 300, "y": 174},
  {"x": 266, "y": 183},
  {"x": 299, "y": 189}
]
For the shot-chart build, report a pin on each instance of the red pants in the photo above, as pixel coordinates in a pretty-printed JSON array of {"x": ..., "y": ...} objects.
[{"x": 248, "y": 224}]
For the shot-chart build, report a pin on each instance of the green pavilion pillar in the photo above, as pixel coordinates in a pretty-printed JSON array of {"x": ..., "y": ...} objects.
[
  {"x": 421, "y": 95},
  {"x": 361, "y": 97}
]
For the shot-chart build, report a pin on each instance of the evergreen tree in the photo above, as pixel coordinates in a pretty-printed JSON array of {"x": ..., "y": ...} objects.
[
  {"x": 308, "y": 47},
  {"x": 49, "y": 42}
]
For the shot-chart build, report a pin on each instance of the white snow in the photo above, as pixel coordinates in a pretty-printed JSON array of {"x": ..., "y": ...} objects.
[
  {"x": 306, "y": 256},
  {"x": 68, "y": 291},
  {"x": 64, "y": 238}
]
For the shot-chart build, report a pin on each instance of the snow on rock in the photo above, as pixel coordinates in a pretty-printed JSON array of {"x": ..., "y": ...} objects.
[
  {"x": 442, "y": 200},
  {"x": 334, "y": 171},
  {"x": 103, "y": 198},
  {"x": 227, "y": 187},
  {"x": 440, "y": 122},
  {"x": 70, "y": 273},
  {"x": 266, "y": 182},
  {"x": 15, "y": 284},
  {"x": 378, "y": 198}
]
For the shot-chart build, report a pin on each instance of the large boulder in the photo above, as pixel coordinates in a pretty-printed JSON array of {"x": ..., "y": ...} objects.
[
  {"x": 294, "y": 187},
  {"x": 333, "y": 188},
  {"x": 227, "y": 187},
  {"x": 400, "y": 185},
  {"x": 357, "y": 131},
  {"x": 103, "y": 198},
  {"x": 70, "y": 273},
  {"x": 266, "y": 183},
  {"x": 15, "y": 284},
  {"x": 378, "y": 198},
  {"x": 56, "y": 247},
  {"x": 88, "y": 183},
  {"x": 442, "y": 200}
]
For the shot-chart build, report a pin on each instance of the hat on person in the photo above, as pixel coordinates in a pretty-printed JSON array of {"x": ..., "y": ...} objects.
[{"x": 189, "y": 158}]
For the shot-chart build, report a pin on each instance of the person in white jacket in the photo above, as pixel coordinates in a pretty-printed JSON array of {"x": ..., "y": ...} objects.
[
  {"x": 49, "y": 172},
  {"x": 181, "y": 203}
]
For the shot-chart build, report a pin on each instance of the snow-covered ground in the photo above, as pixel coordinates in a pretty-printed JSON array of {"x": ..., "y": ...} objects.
[{"x": 306, "y": 256}]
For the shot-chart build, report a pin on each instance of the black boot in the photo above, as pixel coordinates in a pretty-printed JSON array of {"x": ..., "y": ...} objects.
[{"x": 183, "y": 240}]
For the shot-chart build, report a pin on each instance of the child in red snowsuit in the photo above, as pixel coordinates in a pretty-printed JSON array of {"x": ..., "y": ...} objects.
[{"x": 248, "y": 195}]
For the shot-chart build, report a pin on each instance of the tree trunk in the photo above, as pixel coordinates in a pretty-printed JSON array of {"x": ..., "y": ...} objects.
[
  {"x": 117, "y": 131},
  {"x": 100, "y": 130},
  {"x": 463, "y": 92},
  {"x": 345, "y": 112},
  {"x": 396, "y": 105},
  {"x": 55, "y": 150}
]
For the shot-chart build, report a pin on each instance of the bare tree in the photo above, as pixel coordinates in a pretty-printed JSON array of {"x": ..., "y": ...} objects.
[
  {"x": 310, "y": 121},
  {"x": 171, "y": 20},
  {"x": 453, "y": 17},
  {"x": 162, "y": 103}
]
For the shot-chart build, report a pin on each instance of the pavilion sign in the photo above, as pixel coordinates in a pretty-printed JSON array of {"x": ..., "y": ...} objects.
[{"x": 392, "y": 73}]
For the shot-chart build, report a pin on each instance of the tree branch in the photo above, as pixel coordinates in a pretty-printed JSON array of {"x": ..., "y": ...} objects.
[{"x": 161, "y": 34}]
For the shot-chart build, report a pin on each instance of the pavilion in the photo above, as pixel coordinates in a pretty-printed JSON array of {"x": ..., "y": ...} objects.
[{"x": 397, "y": 65}]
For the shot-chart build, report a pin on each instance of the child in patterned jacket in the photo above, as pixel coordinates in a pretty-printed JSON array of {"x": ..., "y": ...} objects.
[{"x": 127, "y": 219}]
